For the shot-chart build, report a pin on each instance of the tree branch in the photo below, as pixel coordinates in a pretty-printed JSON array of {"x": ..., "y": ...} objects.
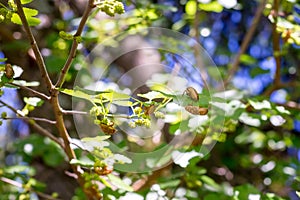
[
  {"x": 276, "y": 51},
  {"x": 35, "y": 48},
  {"x": 91, "y": 192},
  {"x": 40, "y": 129},
  {"x": 39, "y": 94},
  {"x": 246, "y": 41},
  {"x": 72, "y": 53},
  {"x": 276, "y": 44}
]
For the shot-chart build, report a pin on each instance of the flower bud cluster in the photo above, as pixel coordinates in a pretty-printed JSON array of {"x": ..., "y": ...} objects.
[{"x": 111, "y": 7}]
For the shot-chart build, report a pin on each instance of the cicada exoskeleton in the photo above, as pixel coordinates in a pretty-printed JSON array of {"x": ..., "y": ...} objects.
[
  {"x": 192, "y": 93},
  {"x": 196, "y": 110}
]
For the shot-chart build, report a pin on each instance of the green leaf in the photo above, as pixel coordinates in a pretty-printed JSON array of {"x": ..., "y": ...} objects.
[
  {"x": 4, "y": 80},
  {"x": 191, "y": 7},
  {"x": 121, "y": 159},
  {"x": 257, "y": 71},
  {"x": 247, "y": 59},
  {"x": 90, "y": 143},
  {"x": 183, "y": 126},
  {"x": 119, "y": 183},
  {"x": 249, "y": 120},
  {"x": 97, "y": 138},
  {"x": 115, "y": 96},
  {"x": 260, "y": 105},
  {"x": 298, "y": 193},
  {"x": 34, "y": 101},
  {"x": 211, "y": 7},
  {"x": 283, "y": 23},
  {"x": 213, "y": 196},
  {"x": 204, "y": 100},
  {"x": 209, "y": 181},
  {"x": 237, "y": 113},
  {"x": 282, "y": 109},
  {"x": 52, "y": 158},
  {"x": 164, "y": 7},
  {"x": 245, "y": 190},
  {"x": 29, "y": 14},
  {"x": 170, "y": 184},
  {"x": 17, "y": 169},
  {"x": 123, "y": 103},
  {"x": 76, "y": 93},
  {"x": 26, "y": 1},
  {"x": 3, "y": 59},
  {"x": 83, "y": 163}
]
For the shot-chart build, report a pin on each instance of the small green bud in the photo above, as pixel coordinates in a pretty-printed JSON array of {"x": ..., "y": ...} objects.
[
  {"x": 66, "y": 36},
  {"x": 119, "y": 8},
  {"x": 30, "y": 108},
  {"x": 96, "y": 111},
  {"x": 97, "y": 121},
  {"x": 160, "y": 115},
  {"x": 3, "y": 115},
  {"x": 12, "y": 5},
  {"x": 78, "y": 39},
  {"x": 111, "y": 7},
  {"x": 138, "y": 110}
]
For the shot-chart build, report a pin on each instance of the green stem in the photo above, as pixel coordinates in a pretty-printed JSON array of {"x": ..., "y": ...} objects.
[{"x": 72, "y": 54}]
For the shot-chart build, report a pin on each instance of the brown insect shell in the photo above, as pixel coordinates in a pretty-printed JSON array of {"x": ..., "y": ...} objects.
[
  {"x": 196, "y": 110},
  {"x": 192, "y": 93},
  {"x": 103, "y": 170},
  {"x": 203, "y": 111},
  {"x": 9, "y": 71},
  {"x": 108, "y": 129}
]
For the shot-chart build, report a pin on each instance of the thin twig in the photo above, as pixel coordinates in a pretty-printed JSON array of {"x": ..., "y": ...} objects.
[
  {"x": 45, "y": 132},
  {"x": 246, "y": 41},
  {"x": 9, "y": 106},
  {"x": 35, "y": 48},
  {"x": 290, "y": 105},
  {"x": 40, "y": 129},
  {"x": 20, "y": 185},
  {"x": 11, "y": 182},
  {"x": 71, "y": 112},
  {"x": 74, "y": 46},
  {"x": 33, "y": 119},
  {"x": 39, "y": 94}
]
